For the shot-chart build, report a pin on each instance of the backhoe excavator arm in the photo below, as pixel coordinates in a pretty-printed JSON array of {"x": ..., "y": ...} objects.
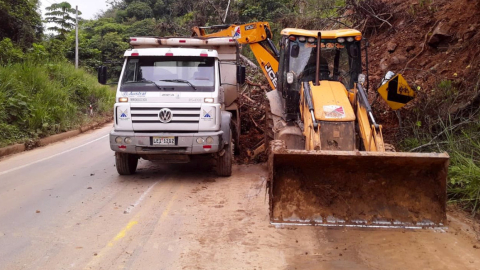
[{"x": 258, "y": 35}]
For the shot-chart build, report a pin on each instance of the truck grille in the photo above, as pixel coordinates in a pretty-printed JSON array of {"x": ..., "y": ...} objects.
[
  {"x": 183, "y": 118},
  {"x": 179, "y": 115}
]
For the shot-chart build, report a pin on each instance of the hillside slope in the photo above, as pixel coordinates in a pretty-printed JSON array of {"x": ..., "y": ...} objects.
[{"x": 435, "y": 45}]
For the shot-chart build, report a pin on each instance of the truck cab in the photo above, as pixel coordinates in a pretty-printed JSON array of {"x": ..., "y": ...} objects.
[{"x": 171, "y": 105}]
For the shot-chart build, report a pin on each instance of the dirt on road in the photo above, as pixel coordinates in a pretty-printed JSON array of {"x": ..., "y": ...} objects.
[{"x": 59, "y": 214}]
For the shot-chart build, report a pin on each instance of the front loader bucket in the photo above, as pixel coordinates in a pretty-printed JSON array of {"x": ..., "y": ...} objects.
[{"x": 352, "y": 188}]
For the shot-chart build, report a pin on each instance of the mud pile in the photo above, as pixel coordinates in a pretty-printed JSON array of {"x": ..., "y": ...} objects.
[{"x": 434, "y": 44}]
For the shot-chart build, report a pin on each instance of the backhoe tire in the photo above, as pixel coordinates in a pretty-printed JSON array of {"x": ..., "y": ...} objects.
[
  {"x": 389, "y": 147},
  {"x": 126, "y": 163},
  {"x": 224, "y": 162}
]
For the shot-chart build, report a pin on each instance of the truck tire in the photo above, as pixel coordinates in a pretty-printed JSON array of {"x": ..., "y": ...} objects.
[
  {"x": 224, "y": 163},
  {"x": 126, "y": 163}
]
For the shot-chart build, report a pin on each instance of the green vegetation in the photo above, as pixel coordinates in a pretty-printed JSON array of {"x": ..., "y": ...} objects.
[
  {"x": 103, "y": 40},
  {"x": 456, "y": 132},
  {"x": 20, "y": 21},
  {"x": 62, "y": 16},
  {"x": 41, "y": 93},
  {"x": 37, "y": 99}
]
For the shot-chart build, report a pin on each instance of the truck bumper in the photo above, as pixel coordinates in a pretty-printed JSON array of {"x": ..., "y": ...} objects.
[{"x": 185, "y": 143}]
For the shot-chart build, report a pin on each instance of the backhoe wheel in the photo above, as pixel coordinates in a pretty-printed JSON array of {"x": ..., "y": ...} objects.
[
  {"x": 389, "y": 147},
  {"x": 126, "y": 163},
  {"x": 224, "y": 162}
]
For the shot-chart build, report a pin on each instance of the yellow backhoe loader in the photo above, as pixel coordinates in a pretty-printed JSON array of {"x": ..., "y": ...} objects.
[{"x": 328, "y": 163}]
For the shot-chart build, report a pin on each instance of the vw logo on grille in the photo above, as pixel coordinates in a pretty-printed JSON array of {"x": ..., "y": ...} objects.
[{"x": 165, "y": 115}]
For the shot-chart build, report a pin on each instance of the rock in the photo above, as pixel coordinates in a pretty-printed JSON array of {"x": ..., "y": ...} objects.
[
  {"x": 440, "y": 35},
  {"x": 391, "y": 46},
  {"x": 410, "y": 46},
  {"x": 399, "y": 59},
  {"x": 383, "y": 64}
]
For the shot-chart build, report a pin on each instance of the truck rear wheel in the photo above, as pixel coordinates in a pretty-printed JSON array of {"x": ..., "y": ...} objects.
[
  {"x": 126, "y": 163},
  {"x": 224, "y": 162}
]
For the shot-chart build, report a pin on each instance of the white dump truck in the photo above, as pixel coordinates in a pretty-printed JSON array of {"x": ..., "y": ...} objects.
[{"x": 176, "y": 97}]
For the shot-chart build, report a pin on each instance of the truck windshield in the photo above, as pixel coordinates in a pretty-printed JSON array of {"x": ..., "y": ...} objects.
[
  {"x": 338, "y": 62},
  {"x": 167, "y": 73}
]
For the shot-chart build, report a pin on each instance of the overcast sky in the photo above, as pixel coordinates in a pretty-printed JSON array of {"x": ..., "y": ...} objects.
[{"x": 89, "y": 8}]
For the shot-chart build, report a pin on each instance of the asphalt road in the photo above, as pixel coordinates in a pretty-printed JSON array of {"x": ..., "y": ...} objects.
[{"x": 65, "y": 207}]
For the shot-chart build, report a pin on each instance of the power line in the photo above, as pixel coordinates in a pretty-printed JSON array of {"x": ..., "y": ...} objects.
[{"x": 51, "y": 2}]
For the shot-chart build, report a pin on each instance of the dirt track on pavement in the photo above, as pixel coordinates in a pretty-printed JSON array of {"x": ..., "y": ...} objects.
[{"x": 71, "y": 210}]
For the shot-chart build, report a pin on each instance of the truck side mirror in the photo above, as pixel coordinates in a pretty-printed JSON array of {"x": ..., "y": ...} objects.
[
  {"x": 102, "y": 74},
  {"x": 241, "y": 74}
]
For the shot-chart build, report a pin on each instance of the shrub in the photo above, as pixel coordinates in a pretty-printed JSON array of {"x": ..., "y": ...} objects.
[{"x": 39, "y": 99}]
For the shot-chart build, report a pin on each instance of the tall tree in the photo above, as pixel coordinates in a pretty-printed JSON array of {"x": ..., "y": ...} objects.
[
  {"x": 20, "y": 21},
  {"x": 63, "y": 16}
]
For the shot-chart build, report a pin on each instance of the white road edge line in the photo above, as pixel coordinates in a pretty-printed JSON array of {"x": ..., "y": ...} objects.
[
  {"x": 130, "y": 208},
  {"x": 47, "y": 158}
]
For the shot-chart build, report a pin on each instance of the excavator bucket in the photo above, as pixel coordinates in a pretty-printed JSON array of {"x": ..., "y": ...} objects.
[{"x": 352, "y": 188}]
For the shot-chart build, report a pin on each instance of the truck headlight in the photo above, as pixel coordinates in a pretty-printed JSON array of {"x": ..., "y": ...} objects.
[
  {"x": 200, "y": 140},
  {"x": 208, "y": 100},
  {"x": 128, "y": 140},
  {"x": 209, "y": 140},
  {"x": 118, "y": 139},
  {"x": 123, "y": 99}
]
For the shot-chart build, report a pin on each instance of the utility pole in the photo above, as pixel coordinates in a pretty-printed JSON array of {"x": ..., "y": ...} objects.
[{"x": 76, "y": 37}]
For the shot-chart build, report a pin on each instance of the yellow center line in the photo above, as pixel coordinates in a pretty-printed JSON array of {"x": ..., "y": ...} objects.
[
  {"x": 123, "y": 232},
  {"x": 120, "y": 235}
]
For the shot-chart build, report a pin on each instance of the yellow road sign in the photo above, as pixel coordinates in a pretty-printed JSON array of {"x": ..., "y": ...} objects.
[{"x": 396, "y": 92}]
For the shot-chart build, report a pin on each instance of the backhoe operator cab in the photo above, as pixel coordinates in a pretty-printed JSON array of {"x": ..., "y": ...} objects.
[
  {"x": 322, "y": 80},
  {"x": 340, "y": 60},
  {"x": 176, "y": 100}
]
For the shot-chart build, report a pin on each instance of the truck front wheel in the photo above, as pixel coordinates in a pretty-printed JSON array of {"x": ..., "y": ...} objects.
[
  {"x": 126, "y": 163},
  {"x": 224, "y": 162}
]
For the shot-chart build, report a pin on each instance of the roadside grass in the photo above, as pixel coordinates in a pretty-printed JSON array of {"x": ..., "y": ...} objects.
[
  {"x": 464, "y": 171},
  {"x": 458, "y": 135},
  {"x": 39, "y": 99}
]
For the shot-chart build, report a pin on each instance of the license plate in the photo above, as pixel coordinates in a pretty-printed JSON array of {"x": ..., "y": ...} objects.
[{"x": 164, "y": 140}]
